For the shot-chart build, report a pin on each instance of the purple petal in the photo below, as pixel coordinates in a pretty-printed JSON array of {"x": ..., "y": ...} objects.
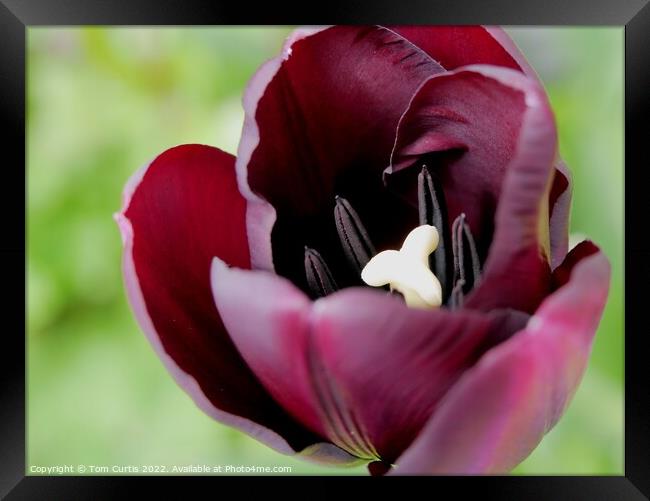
[
  {"x": 494, "y": 136},
  {"x": 560, "y": 196},
  {"x": 270, "y": 329},
  {"x": 180, "y": 211},
  {"x": 520, "y": 257},
  {"x": 320, "y": 118},
  {"x": 371, "y": 345},
  {"x": 560, "y": 204},
  {"x": 562, "y": 274},
  {"x": 327, "y": 362},
  {"x": 500, "y": 409},
  {"x": 509, "y": 45},
  {"x": 455, "y": 46}
]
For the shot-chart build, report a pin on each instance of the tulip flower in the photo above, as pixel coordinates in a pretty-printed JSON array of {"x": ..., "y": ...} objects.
[{"x": 382, "y": 273}]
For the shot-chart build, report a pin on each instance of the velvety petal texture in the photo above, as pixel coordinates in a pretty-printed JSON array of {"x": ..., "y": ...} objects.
[
  {"x": 179, "y": 212},
  {"x": 320, "y": 121},
  {"x": 489, "y": 135},
  {"x": 327, "y": 361},
  {"x": 455, "y": 46},
  {"x": 500, "y": 409},
  {"x": 475, "y": 120}
]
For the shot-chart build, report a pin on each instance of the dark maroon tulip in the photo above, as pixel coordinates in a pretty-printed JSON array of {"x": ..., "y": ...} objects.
[{"x": 245, "y": 273}]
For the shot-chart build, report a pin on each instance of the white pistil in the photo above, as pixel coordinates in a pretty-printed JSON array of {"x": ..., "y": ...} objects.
[{"x": 407, "y": 270}]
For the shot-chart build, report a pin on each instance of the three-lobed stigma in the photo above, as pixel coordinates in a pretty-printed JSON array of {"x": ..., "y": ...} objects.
[{"x": 407, "y": 270}]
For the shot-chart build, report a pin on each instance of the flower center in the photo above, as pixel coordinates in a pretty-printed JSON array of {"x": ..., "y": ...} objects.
[
  {"x": 436, "y": 265},
  {"x": 407, "y": 270}
]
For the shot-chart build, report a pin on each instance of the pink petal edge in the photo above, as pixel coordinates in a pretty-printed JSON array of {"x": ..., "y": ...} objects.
[
  {"x": 501, "y": 36},
  {"x": 184, "y": 380},
  {"x": 500, "y": 410},
  {"x": 277, "y": 359},
  {"x": 260, "y": 214},
  {"x": 529, "y": 177},
  {"x": 562, "y": 207}
]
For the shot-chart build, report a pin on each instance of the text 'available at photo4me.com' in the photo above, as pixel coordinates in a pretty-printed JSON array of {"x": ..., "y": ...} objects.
[{"x": 180, "y": 469}]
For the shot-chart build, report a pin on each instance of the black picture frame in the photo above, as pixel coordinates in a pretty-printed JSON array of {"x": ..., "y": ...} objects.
[{"x": 17, "y": 15}]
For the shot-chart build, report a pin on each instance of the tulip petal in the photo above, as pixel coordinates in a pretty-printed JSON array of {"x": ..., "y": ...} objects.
[
  {"x": 560, "y": 204},
  {"x": 372, "y": 345},
  {"x": 500, "y": 409},
  {"x": 562, "y": 274},
  {"x": 327, "y": 361},
  {"x": 455, "y": 46},
  {"x": 270, "y": 329},
  {"x": 509, "y": 45},
  {"x": 560, "y": 196},
  {"x": 490, "y": 135},
  {"x": 520, "y": 260},
  {"x": 320, "y": 121},
  {"x": 179, "y": 211}
]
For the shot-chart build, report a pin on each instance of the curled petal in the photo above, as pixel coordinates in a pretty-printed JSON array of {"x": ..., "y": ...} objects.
[
  {"x": 509, "y": 45},
  {"x": 490, "y": 134},
  {"x": 180, "y": 211},
  {"x": 270, "y": 329},
  {"x": 357, "y": 367},
  {"x": 560, "y": 207},
  {"x": 562, "y": 274},
  {"x": 519, "y": 262},
  {"x": 321, "y": 117},
  {"x": 455, "y": 46},
  {"x": 499, "y": 410},
  {"x": 560, "y": 195}
]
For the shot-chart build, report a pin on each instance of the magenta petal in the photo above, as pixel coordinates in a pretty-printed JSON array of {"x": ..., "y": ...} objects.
[
  {"x": 500, "y": 410},
  {"x": 455, "y": 46},
  {"x": 560, "y": 207},
  {"x": 560, "y": 196},
  {"x": 326, "y": 362},
  {"x": 481, "y": 118},
  {"x": 270, "y": 328},
  {"x": 320, "y": 117},
  {"x": 332, "y": 103},
  {"x": 519, "y": 261},
  {"x": 180, "y": 211},
  {"x": 505, "y": 146},
  {"x": 392, "y": 365},
  {"x": 562, "y": 274},
  {"x": 509, "y": 45}
]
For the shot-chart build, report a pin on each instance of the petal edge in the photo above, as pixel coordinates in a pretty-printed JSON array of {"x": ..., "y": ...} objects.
[
  {"x": 170, "y": 225},
  {"x": 500, "y": 410}
]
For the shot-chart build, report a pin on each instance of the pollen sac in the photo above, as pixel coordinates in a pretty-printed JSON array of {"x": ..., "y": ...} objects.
[
  {"x": 456, "y": 299},
  {"x": 319, "y": 277},
  {"x": 353, "y": 235},
  {"x": 432, "y": 209},
  {"x": 407, "y": 270},
  {"x": 467, "y": 267}
]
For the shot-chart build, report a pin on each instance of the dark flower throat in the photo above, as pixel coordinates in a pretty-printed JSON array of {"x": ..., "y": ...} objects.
[{"x": 455, "y": 261}]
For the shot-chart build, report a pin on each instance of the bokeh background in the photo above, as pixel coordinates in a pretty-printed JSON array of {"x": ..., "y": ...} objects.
[{"x": 102, "y": 102}]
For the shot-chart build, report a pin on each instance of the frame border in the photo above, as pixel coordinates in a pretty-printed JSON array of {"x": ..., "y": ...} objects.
[{"x": 17, "y": 15}]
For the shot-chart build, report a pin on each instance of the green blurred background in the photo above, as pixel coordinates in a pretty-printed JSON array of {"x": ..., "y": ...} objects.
[{"x": 102, "y": 102}]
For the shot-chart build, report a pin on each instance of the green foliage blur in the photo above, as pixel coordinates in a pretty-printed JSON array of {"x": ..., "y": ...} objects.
[{"x": 102, "y": 102}]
